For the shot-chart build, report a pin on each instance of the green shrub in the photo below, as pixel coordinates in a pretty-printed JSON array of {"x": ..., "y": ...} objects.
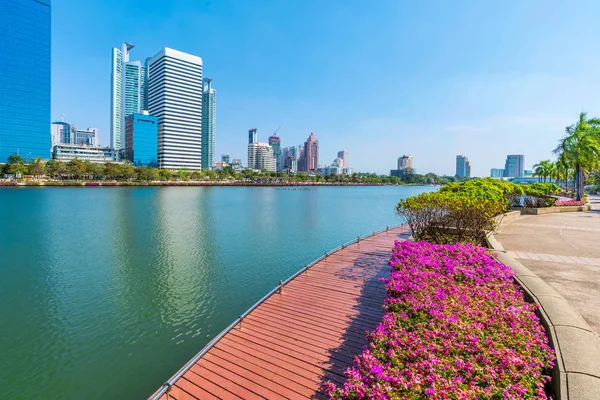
[
  {"x": 452, "y": 216},
  {"x": 543, "y": 188},
  {"x": 489, "y": 189}
]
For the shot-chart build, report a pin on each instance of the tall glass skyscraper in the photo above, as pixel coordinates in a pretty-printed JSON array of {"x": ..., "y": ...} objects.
[
  {"x": 209, "y": 109},
  {"x": 128, "y": 92},
  {"x": 25, "y": 78},
  {"x": 514, "y": 166}
]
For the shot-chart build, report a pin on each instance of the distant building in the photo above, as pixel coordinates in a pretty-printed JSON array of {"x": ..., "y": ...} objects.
[
  {"x": 219, "y": 166},
  {"x": 252, "y": 136},
  {"x": 25, "y": 90},
  {"x": 497, "y": 173},
  {"x": 311, "y": 154},
  {"x": 68, "y": 152},
  {"x": 528, "y": 172},
  {"x": 275, "y": 143},
  {"x": 343, "y": 154},
  {"x": 289, "y": 156},
  {"x": 87, "y": 137},
  {"x": 301, "y": 160},
  {"x": 515, "y": 166},
  {"x": 404, "y": 162},
  {"x": 225, "y": 158},
  {"x": 62, "y": 133},
  {"x": 260, "y": 156},
  {"x": 65, "y": 133},
  {"x": 128, "y": 92},
  {"x": 175, "y": 97},
  {"x": 463, "y": 167},
  {"x": 209, "y": 120},
  {"x": 236, "y": 164},
  {"x": 399, "y": 173},
  {"x": 141, "y": 139}
]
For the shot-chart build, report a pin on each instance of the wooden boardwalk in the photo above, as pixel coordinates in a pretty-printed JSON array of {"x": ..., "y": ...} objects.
[{"x": 297, "y": 340}]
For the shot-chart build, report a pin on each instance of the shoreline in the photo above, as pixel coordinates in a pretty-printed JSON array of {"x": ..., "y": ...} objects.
[{"x": 33, "y": 184}]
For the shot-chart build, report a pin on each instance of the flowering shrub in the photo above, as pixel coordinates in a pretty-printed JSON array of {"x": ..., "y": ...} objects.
[
  {"x": 8, "y": 183},
  {"x": 563, "y": 203},
  {"x": 456, "y": 327},
  {"x": 92, "y": 184}
]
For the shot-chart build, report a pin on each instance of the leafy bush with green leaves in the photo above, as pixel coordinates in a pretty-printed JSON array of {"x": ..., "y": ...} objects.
[
  {"x": 543, "y": 188},
  {"x": 539, "y": 195},
  {"x": 488, "y": 189},
  {"x": 449, "y": 217}
]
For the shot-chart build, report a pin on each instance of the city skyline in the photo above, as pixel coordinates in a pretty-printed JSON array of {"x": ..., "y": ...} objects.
[{"x": 460, "y": 95}]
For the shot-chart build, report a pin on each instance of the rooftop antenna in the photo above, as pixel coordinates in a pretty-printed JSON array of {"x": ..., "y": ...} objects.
[{"x": 62, "y": 117}]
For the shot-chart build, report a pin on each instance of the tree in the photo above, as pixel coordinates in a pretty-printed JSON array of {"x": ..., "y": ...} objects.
[
  {"x": 110, "y": 170},
  {"x": 76, "y": 168},
  {"x": 581, "y": 148},
  {"x": 165, "y": 174},
  {"x": 37, "y": 168}
]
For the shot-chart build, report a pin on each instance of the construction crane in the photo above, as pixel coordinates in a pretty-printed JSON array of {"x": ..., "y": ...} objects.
[{"x": 276, "y": 130}]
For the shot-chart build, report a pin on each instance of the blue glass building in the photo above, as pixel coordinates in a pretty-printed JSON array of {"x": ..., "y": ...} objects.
[
  {"x": 25, "y": 78},
  {"x": 141, "y": 139}
]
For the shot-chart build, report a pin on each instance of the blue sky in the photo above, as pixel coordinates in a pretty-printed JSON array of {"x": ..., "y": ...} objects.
[{"x": 379, "y": 78}]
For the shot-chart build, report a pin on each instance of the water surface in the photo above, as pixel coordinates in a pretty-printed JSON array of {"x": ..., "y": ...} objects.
[{"x": 106, "y": 292}]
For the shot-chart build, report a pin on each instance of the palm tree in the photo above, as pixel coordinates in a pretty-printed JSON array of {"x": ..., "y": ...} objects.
[
  {"x": 581, "y": 147},
  {"x": 542, "y": 169}
]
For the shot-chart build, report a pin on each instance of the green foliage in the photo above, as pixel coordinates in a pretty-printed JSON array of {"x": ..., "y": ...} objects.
[
  {"x": 543, "y": 189},
  {"x": 494, "y": 190},
  {"x": 452, "y": 215}
]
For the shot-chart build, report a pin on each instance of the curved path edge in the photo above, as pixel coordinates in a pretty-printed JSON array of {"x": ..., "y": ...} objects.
[
  {"x": 576, "y": 374},
  {"x": 301, "y": 335}
]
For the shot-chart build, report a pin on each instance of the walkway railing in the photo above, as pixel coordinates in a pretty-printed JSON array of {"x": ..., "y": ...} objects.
[{"x": 166, "y": 387}]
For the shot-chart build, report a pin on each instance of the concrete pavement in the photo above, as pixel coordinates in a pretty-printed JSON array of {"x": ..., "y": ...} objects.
[{"x": 564, "y": 250}]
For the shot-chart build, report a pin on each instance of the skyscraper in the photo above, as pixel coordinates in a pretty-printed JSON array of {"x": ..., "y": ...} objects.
[
  {"x": 514, "y": 166},
  {"x": 311, "y": 153},
  {"x": 301, "y": 163},
  {"x": 209, "y": 109},
  {"x": 260, "y": 156},
  {"x": 343, "y": 154},
  {"x": 25, "y": 79},
  {"x": 252, "y": 136},
  {"x": 225, "y": 158},
  {"x": 128, "y": 92},
  {"x": 290, "y": 159},
  {"x": 175, "y": 97},
  {"x": 463, "y": 167},
  {"x": 405, "y": 162},
  {"x": 275, "y": 143}
]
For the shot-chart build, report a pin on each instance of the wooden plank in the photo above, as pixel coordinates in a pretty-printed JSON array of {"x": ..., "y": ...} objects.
[{"x": 294, "y": 342}]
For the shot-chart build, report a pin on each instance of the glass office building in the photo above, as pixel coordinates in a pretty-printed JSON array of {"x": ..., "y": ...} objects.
[
  {"x": 141, "y": 139},
  {"x": 128, "y": 92},
  {"x": 25, "y": 78}
]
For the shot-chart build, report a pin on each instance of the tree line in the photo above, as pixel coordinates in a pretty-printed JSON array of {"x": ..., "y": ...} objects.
[{"x": 84, "y": 170}]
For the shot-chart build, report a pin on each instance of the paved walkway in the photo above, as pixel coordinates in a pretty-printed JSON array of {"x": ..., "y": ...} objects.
[
  {"x": 294, "y": 342},
  {"x": 564, "y": 250}
]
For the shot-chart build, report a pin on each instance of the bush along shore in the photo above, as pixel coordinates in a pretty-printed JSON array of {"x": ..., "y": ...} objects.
[{"x": 457, "y": 325}]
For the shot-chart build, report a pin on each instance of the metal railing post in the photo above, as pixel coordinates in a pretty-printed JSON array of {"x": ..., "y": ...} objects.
[{"x": 280, "y": 287}]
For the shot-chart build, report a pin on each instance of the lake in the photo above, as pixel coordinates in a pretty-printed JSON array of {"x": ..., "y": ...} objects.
[{"x": 107, "y": 292}]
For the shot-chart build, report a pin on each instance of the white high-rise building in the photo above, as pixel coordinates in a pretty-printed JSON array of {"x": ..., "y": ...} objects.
[
  {"x": 405, "y": 162},
  {"x": 175, "y": 97},
  {"x": 343, "y": 154},
  {"x": 209, "y": 120},
  {"x": 260, "y": 156},
  {"x": 128, "y": 92}
]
